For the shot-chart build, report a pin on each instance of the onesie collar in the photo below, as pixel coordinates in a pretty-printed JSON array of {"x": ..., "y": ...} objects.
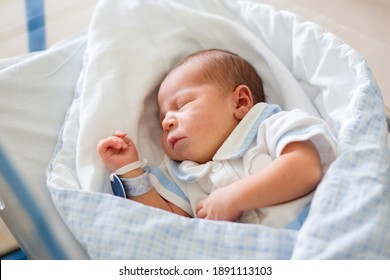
[{"x": 245, "y": 132}]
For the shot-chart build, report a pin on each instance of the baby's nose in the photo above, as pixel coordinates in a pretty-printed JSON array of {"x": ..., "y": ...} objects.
[{"x": 169, "y": 123}]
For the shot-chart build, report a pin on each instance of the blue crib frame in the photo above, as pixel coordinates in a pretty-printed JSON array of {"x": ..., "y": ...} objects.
[{"x": 35, "y": 14}]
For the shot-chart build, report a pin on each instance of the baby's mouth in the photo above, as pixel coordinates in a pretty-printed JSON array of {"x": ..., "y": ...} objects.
[{"x": 173, "y": 141}]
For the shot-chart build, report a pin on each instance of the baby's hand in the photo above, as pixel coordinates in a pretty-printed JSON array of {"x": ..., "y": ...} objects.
[
  {"x": 218, "y": 206},
  {"x": 117, "y": 151}
]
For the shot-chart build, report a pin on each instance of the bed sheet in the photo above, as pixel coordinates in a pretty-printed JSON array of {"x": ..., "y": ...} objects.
[{"x": 348, "y": 217}]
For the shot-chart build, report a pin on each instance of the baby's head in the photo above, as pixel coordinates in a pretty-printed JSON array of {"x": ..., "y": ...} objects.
[
  {"x": 202, "y": 100},
  {"x": 226, "y": 70}
]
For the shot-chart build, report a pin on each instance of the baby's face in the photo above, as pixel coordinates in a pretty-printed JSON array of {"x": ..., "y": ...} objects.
[{"x": 196, "y": 117}]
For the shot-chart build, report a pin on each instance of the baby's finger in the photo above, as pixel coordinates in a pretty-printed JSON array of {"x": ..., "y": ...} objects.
[
  {"x": 199, "y": 206},
  {"x": 201, "y": 214},
  {"x": 119, "y": 143},
  {"x": 128, "y": 141},
  {"x": 200, "y": 210},
  {"x": 123, "y": 135},
  {"x": 120, "y": 133},
  {"x": 112, "y": 142}
]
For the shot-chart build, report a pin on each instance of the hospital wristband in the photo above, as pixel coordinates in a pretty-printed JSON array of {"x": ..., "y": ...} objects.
[
  {"x": 138, "y": 185},
  {"x": 130, "y": 167}
]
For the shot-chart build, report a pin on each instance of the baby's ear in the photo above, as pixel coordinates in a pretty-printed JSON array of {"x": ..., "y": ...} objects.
[{"x": 243, "y": 101}]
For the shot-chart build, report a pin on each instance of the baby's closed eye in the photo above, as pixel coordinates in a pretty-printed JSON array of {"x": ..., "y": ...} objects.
[{"x": 184, "y": 103}]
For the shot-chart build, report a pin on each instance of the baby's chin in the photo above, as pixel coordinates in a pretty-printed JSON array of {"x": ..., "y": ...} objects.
[{"x": 199, "y": 159}]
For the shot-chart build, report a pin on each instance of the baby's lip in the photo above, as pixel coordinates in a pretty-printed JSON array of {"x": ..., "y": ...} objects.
[{"x": 173, "y": 140}]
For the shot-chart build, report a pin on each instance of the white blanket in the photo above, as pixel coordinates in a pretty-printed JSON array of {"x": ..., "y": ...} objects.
[{"x": 132, "y": 45}]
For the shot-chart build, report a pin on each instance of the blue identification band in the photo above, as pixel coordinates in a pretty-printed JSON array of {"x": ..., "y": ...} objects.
[
  {"x": 117, "y": 186},
  {"x": 125, "y": 187}
]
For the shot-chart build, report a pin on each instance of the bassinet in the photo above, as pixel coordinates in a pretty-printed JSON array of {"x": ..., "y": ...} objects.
[{"x": 304, "y": 66}]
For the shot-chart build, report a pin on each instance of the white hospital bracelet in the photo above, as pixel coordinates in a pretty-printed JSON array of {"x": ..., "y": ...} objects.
[
  {"x": 138, "y": 185},
  {"x": 130, "y": 167}
]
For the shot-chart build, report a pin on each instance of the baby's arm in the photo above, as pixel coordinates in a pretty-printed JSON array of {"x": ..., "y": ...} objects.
[
  {"x": 117, "y": 151},
  {"x": 294, "y": 174}
]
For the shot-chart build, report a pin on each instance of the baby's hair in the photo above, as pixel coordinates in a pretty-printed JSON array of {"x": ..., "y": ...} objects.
[{"x": 227, "y": 70}]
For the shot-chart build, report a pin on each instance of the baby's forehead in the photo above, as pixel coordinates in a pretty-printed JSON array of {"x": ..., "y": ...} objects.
[{"x": 184, "y": 74}]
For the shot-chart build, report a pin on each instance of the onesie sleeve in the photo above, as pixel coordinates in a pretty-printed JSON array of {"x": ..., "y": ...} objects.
[
  {"x": 285, "y": 127},
  {"x": 169, "y": 190}
]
